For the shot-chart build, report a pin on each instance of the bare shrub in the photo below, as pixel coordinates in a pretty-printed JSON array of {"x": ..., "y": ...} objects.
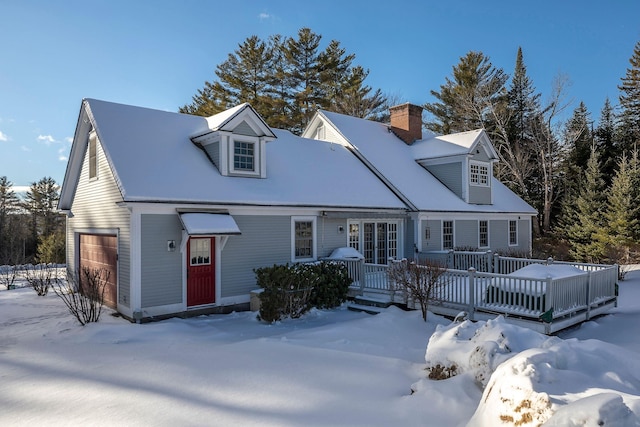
[
  {"x": 420, "y": 281},
  {"x": 9, "y": 275},
  {"x": 41, "y": 277},
  {"x": 83, "y": 293}
]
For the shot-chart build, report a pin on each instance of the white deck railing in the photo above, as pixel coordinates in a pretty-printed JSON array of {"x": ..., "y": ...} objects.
[{"x": 498, "y": 291}]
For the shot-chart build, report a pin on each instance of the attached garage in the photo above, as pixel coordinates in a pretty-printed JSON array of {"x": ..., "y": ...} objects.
[{"x": 100, "y": 251}]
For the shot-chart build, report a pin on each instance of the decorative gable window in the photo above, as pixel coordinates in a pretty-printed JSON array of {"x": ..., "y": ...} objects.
[
  {"x": 303, "y": 239},
  {"x": 93, "y": 156},
  {"x": 479, "y": 173}
]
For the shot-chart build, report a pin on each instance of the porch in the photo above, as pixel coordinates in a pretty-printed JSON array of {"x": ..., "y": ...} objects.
[{"x": 483, "y": 285}]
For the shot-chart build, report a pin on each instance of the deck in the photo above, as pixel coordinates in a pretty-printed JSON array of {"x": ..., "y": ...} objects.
[{"x": 546, "y": 304}]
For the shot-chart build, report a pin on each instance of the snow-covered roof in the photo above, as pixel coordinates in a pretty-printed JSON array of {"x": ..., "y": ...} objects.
[
  {"x": 153, "y": 159},
  {"x": 396, "y": 161},
  {"x": 201, "y": 223}
]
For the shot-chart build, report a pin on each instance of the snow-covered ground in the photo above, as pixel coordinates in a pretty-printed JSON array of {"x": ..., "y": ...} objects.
[{"x": 332, "y": 367}]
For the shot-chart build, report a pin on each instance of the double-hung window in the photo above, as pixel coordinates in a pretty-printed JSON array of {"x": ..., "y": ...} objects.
[
  {"x": 513, "y": 233},
  {"x": 447, "y": 234},
  {"x": 483, "y": 234},
  {"x": 303, "y": 239},
  {"x": 479, "y": 174}
]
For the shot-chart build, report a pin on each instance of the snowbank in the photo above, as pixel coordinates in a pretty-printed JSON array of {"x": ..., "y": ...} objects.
[{"x": 531, "y": 379}]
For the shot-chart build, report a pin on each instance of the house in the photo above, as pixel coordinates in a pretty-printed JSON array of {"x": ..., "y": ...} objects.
[
  {"x": 447, "y": 182},
  {"x": 181, "y": 209}
]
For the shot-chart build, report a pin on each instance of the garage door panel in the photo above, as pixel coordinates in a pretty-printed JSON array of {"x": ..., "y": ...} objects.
[{"x": 98, "y": 251}]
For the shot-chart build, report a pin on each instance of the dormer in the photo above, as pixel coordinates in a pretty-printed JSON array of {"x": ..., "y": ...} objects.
[
  {"x": 463, "y": 162},
  {"x": 235, "y": 142}
]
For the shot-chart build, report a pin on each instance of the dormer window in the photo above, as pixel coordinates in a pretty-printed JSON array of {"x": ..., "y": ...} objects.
[
  {"x": 244, "y": 156},
  {"x": 479, "y": 174}
]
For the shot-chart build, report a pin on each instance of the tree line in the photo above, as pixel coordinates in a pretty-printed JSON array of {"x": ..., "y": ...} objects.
[{"x": 31, "y": 228}]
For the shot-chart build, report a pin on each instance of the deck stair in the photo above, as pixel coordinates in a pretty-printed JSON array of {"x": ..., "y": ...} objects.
[{"x": 369, "y": 303}]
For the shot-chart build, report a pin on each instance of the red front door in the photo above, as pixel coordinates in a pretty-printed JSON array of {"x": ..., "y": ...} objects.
[{"x": 201, "y": 287}]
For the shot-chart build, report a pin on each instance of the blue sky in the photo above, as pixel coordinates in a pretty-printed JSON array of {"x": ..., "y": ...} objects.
[{"x": 158, "y": 53}]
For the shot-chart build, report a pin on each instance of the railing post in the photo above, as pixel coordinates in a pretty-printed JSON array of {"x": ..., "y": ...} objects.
[
  {"x": 549, "y": 293},
  {"x": 362, "y": 275},
  {"x": 489, "y": 261},
  {"x": 472, "y": 294},
  {"x": 588, "y": 296},
  {"x": 549, "y": 260}
]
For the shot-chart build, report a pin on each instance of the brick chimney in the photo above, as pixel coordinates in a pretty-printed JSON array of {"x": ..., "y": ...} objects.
[{"x": 406, "y": 122}]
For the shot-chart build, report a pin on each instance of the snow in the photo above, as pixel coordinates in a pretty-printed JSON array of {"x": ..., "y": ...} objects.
[
  {"x": 346, "y": 252},
  {"x": 331, "y": 367},
  {"x": 396, "y": 161},
  {"x": 208, "y": 223},
  {"x": 544, "y": 271},
  {"x": 140, "y": 143}
]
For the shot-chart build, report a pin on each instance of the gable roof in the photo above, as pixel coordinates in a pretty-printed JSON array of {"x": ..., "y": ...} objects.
[
  {"x": 396, "y": 162},
  {"x": 153, "y": 160},
  {"x": 455, "y": 144}
]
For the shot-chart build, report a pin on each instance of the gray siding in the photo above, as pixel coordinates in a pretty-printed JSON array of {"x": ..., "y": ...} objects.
[
  {"x": 499, "y": 235},
  {"x": 481, "y": 156},
  {"x": 465, "y": 233},
  {"x": 409, "y": 233},
  {"x": 450, "y": 175},
  {"x": 434, "y": 243},
  {"x": 244, "y": 129},
  {"x": 329, "y": 236},
  {"x": 479, "y": 195},
  {"x": 161, "y": 281},
  {"x": 94, "y": 209},
  {"x": 265, "y": 241},
  {"x": 524, "y": 235},
  {"x": 213, "y": 151}
]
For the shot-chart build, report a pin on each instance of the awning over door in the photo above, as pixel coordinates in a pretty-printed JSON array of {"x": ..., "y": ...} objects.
[{"x": 200, "y": 223}]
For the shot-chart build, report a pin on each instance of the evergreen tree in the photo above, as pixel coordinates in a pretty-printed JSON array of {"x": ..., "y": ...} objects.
[
  {"x": 286, "y": 80},
  {"x": 630, "y": 101},
  {"x": 620, "y": 218},
  {"x": 41, "y": 203},
  {"x": 9, "y": 205},
  {"x": 465, "y": 101},
  {"x": 579, "y": 142},
  {"x": 605, "y": 140},
  {"x": 585, "y": 218}
]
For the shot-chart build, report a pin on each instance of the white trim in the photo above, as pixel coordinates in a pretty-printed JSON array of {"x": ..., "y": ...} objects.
[
  {"x": 93, "y": 137},
  {"x": 314, "y": 243},
  {"x": 135, "y": 281}
]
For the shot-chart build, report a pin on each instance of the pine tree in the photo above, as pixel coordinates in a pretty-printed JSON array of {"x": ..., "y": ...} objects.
[
  {"x": 9, "y": 205},
  {"x": 620, "y": 218},
  {"x": 585, "y": 217},
  {"x": 41, "y": 203},
  {"x": 464, "y": 101},
  {"x": 578, "y": 140},
  {"x": 630, "y": 101},
  {"x": 606, "y": 141}
]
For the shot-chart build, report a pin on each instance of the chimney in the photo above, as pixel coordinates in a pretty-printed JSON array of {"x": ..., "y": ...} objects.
[{"x": 406, "y": 122}]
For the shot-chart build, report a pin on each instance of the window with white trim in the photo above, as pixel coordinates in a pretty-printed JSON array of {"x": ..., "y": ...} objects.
[
  {"x": 479, "y": 174},
  {"x": 303, "y": 236},
  {"x": 483, "y": 234},
  {"x": 244, "y": 158},
  {"x": 447, "y": 234},
  {"x": 513, "y": 232}
]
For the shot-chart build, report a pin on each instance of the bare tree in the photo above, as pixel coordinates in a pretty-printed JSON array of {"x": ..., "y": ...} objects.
[{"x": 420, "y": 281}]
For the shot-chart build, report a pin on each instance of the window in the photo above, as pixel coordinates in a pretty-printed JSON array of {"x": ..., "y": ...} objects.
[
  {"x": 320, "y": 133},
  {"x": 354, "y": 236},
  {"x": 447, "y": 234},
  {"x": 244, "y": 156},
  {"x": 513, "y": 233},
  {"x": 303, "y": 239},
  {"x": 483, "y": 237},
  {"x": 377, "y": 241},
  {"x": 93, "y": 157},
  {"x": 200, "y": 251},
  {"x": 479, "y": 174}
]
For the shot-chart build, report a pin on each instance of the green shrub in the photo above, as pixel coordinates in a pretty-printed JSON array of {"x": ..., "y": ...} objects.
[
  {"x": 291, "y": 290},
  {"x": 333, "y": 285}
]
